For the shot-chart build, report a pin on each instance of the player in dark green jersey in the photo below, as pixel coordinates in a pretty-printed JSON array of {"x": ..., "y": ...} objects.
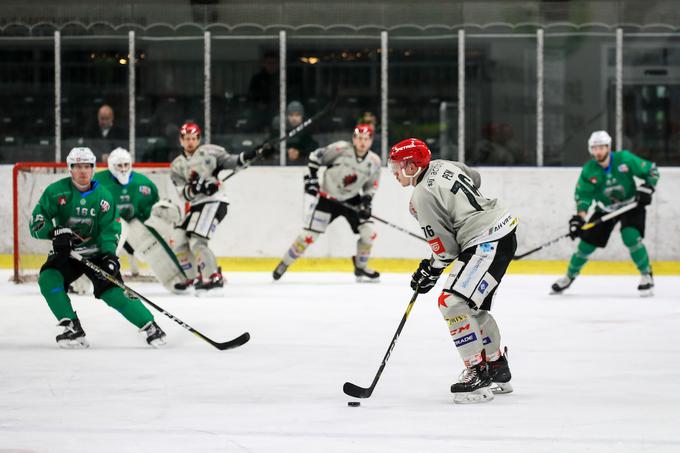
[
  {"x": 80, "y": 215},
  {"x": 607, "y": 181}
]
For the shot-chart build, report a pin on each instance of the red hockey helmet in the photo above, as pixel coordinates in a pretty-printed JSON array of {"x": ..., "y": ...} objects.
[
  {"x": 190, "y": 129},
  {"x": 410, "y": 150},
  {"x": 363, "y": 128}
]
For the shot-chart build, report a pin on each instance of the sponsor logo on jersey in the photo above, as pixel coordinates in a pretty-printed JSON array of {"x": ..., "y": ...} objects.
[
  {"x": 486, "y": 340},
  {"x": 62, "y": 200},
  {"x": 349, "y": 179},
  {"x": 145, "y": 190},
  {"x": 465, "y": 340},
  {"x": 593, "y": 180},
  {"x": 437, "y": 245},
  {"x": 104, "y": 205},
  {"x": 623, "y": 168},
  {"x": 82, "y": 201},
  {"x": 482, "y": 286}
]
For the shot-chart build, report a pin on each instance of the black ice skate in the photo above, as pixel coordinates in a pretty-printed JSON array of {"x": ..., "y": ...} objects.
[
  {"x": 500, "y": 374},
  {"x": 646, "y": 286},
  {"x": 561, "y": 284},
  {"x": 212, "y": 286},
  {"x": 186, "y": 285},
  {"x": 73, "y": 336},
  {"x": 281, "y": 269},
  {"x": 473, "y": 386},
  {"x": 155, "y": 336},
  {"x": 365, "y": 274}
]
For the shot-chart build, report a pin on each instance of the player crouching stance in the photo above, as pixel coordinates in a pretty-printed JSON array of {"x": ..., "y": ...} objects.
[
  {"x": 79, "y": 214},
  {"x": 195, "y": 174},
  {"x": 146, "y": 219},
  {"x": 607, "y": 180},
  {"x": 479, "y": 233},
  {"x": 351, "y": 177}
]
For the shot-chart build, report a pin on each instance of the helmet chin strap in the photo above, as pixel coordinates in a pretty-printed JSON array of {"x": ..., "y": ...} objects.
[{"x": 412, "y": 178}]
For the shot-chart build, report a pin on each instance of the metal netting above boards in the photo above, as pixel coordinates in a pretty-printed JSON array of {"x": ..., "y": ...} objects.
[{"x": 486, "y": 97}]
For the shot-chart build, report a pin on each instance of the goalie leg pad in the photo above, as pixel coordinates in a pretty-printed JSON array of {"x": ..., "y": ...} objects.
[{"x": 152, "y": 249}]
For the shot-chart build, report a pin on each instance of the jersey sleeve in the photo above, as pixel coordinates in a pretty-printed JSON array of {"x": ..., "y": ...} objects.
[
  {"x": 429, "y": 209},
  {"x": 642, "y": 168},
  {"x": 370, "y": 187},
  {"x": 109, "y": 224},
  {"x": 146, "y": 202},
  {"x": 41, "y": 219},
  {"x": 324, "y": 156},
  {"x": 585, "y": 192}
]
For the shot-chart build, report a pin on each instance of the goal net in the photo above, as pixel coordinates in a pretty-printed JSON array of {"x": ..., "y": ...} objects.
[{"x": 29, "y": 180}]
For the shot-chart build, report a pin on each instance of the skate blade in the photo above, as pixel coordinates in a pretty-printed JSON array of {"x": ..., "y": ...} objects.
[
  {"x": 218, "y": 292},
  {"x": 74, "y": 344},
  {"x": 159, "y": 343},
  {"x": 482, "y": 395},
  {"x": 368, "y": 280},
  {"x": 501, "y": 388},
  {"x": 646, "y": 293}
]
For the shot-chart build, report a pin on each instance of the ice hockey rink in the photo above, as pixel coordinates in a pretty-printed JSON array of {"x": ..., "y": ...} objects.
[{"x": 594, "y": 370}]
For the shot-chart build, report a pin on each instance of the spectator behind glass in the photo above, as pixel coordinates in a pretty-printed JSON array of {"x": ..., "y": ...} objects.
[
  {"x": 497, "y": 146},
  {"x": 104, "y": 135},
  {"x": 301, "y": 144},
  {"x": 263, "y": 91}
]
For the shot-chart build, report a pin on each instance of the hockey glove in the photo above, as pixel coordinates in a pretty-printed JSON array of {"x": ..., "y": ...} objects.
[
  {"x": 643, "y": 196},
  {"x": 110, "y": 264},
  {"x": 424, "y": 279},
  {"x": 364, "y": 211},
  {"x": 575, "y": 224},
  {"x": 205, "y": 186},
  {"x": 312, "y": 184},
  {"x": 62, "y": 241}
]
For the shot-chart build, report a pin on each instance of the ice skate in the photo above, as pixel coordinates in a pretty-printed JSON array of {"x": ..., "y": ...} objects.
[
  {"x": 500, "y": 374},
  {"x": 73, "y": 336},
  {"x": 646, "y": 286},
  {"x": 186, "y": 285},
  {"x": 561, "y": 284},
  {"x": 365, "y": 274},
  {"x": 155, "y": 336},
  {"x": 473, "y": 386},
  {"x": 281, "y": 269},
  {"x": 212, "y": 287}
]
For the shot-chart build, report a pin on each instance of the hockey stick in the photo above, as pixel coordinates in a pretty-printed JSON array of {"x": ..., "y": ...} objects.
[
  {"x": 585, "y": 227},
  {"x": 236, "y": 342},
  {"x": 361, "y": 392},
  {"x": 290, "y": 134},
  {"x": 353, "y": 208}
]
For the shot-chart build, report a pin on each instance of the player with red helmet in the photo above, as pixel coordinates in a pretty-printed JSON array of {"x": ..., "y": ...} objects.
[
  {"x": 479, "y": 234},
  {"x": 348, "y": 186}
]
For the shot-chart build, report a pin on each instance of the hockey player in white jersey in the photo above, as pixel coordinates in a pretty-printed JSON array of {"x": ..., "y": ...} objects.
[
  {"x": 479, "y": 234},
  {"x": 195, "y": 174},
  {"x": 352, "y": 175}
]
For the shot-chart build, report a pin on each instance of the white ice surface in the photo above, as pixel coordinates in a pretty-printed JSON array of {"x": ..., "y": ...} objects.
[{"x": 596, "y": 369}]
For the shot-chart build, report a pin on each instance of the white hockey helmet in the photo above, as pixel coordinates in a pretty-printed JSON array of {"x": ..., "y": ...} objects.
[
  {"x": 120, "y": 165},
  {"x": 598, "y": 138},
  {"x": 80, "y": 155}
]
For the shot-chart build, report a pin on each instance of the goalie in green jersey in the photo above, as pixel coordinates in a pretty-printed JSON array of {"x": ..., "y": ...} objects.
[
  {"x": 607, "y": 181},
  {"x": 146, "y": 221},
  {"x": 79, "y": 214}
]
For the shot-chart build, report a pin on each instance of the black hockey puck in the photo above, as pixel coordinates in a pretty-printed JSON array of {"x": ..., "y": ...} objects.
[{"x": 353, "y": 403}]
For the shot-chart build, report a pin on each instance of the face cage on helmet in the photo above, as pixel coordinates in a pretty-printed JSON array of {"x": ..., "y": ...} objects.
[{"x": 399, "y": 166}]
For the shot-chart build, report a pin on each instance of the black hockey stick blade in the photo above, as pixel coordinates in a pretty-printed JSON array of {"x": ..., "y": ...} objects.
[
  {"x": 231, "y": 344},
  {"x": 356, "y": 391}
]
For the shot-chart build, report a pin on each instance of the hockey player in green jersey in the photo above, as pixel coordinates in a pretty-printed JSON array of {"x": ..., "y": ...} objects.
[
  {"x": 607, "y": 181},
  {"x": 80, "y": 215},
  {"x": 145, "y": 222}
]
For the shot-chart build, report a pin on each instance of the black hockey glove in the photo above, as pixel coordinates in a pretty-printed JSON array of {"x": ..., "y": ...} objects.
[
  {"x": 205, "y": 186},
  {"x": 643, "y": 196},
  {"x": 364, "y": 211},
  {"x": 425, "y": 277},
  {"x": 312, "y": 184},
  {"x": 575, "y": 224},
  {"x": 110, "y": 264},
  {"x": 62, "y": 241}
]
